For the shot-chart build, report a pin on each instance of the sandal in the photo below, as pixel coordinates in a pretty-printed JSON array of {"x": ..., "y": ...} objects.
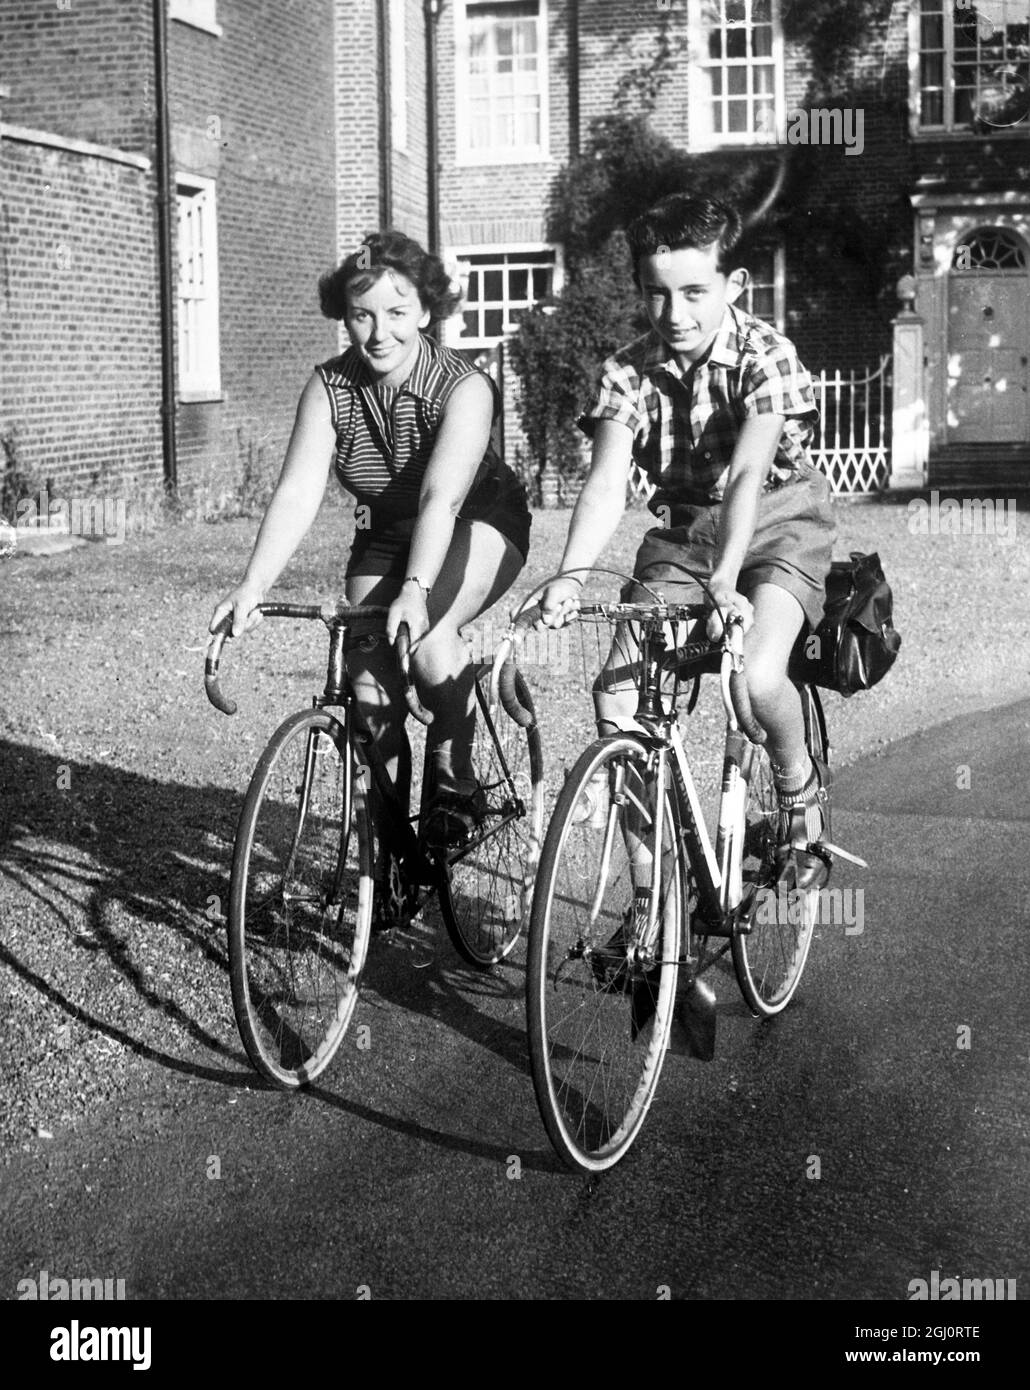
[{"x": 803, "y": 860}]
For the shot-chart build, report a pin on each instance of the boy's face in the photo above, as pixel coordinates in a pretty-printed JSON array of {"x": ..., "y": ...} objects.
[{"x": 685, "y": 297}]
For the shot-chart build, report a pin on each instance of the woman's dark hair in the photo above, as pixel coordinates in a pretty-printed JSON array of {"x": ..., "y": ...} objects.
[
  {"x": 383, "y": 251},
  {"x": 683, "y": 221}
]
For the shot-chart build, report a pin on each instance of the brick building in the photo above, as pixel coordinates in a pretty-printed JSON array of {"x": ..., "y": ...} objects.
[
  {"x": 295, "y": 126},
  {"x": 250, "y": 129}
]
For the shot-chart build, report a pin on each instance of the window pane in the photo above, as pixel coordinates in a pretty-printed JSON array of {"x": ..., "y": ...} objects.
[
  {"x": 736, "y": 43},
  {"x": 493, "y": 285},
  {"x": 541, "y": 282},
  {"x": 763, "y": 302},
  {"x": 738, "y": 81},
  {"x": 932, "y": 112},
  {"x": 763, "y": 80},
  {"x": 518, "y": 285},
  {"x": 932, "y": 70},
  {"x": 716, "y": 82},
  {"x": 931, "y": 31},
  {"x": 470, "y": 324},
  {"x": 765, "y": 119},
  {"x": 762, "y": 42},
  {"x": 493, "y": 323},
  {"x": 715, "y": 44},
  {"x": 737, "y": 112}
]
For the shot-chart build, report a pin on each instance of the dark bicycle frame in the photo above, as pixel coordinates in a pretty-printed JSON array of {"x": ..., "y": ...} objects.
[{"x": 392, "y": 822}]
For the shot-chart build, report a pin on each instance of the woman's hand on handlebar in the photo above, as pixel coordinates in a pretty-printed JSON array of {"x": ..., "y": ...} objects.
[
  {"x": 408, "y": 607},
  {"x": 560, "y": 602},
  {"x": 242, "y": 604},
  {"x": 727, "y": 603}
]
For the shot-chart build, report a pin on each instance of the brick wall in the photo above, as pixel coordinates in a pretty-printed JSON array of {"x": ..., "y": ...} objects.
[
  {"x": 357, "y": 124},
  {"x": 79, "y": 338},
  {"x": 409, "y": 164},
  {"x": 81, "y": 69},
  {"x": 254, "y": 110},
  {"x": 473, "y": 198}
]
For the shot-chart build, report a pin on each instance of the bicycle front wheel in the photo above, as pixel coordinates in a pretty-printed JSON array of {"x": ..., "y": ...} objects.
[
  {"x": 488, "y": 886},
  {"x": 604, "y": 952},
  {"x": 300, "y": 903},
  {"x": 769, "y": 957}
]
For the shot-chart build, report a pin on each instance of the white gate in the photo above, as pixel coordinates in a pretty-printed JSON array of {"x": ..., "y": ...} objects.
[{"x": 852, "y": 439}]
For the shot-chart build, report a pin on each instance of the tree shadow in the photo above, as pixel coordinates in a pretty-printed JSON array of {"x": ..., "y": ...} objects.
[{"x": 114, "y": 866}]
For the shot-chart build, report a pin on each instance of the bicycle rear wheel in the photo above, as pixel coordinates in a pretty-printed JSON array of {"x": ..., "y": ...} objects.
[
  {"x": 603, "y": 962},
  {"x": 488, "y": 887},
  {"x": 770, "y": 957},
  {"x": 300, "y": 904}
]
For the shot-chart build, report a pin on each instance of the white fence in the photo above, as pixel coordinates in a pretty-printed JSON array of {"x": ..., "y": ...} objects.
[{"x": 852, "y": 439}]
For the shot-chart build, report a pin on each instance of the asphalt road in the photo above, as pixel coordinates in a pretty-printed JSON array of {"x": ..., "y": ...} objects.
[{"x": 419, "y": 1168}]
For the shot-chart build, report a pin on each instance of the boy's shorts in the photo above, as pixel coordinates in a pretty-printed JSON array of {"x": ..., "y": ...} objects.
[{"x": 791, "y": 547}]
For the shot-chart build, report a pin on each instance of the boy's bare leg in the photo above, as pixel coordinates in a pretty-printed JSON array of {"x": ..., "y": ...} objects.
[
  {"x": 774, "y": 698},
  {"x": 777, "y": 707}
]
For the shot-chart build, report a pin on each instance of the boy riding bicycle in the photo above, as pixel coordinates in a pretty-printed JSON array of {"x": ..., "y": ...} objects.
[{"x": 715, "y": 407}]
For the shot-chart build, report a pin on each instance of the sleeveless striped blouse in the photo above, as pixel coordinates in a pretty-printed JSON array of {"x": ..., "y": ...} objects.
[{"x": 385, "y": 436}]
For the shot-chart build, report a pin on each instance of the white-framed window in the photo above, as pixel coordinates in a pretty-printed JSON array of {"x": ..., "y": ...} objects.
[
  {"x": 766, "y": 296},
  {"x": 199, "y": 14},
  {"x": 736, "y": 78},
  {"x": 973, "y": 68},
  {"x": 498, "y": 285},
  {"x": 501, "y": 78},
  {"x": 398, "y": 75},
  {"x": 199, "y": 360}
]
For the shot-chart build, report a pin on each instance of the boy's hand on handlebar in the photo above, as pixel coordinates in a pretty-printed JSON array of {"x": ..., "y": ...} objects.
[
  {"x": 242, "y": 604},
  {"x": 728, "y": 603},
  {"x": 408, "y": 607},
  {"x": 559, "y": 602}
]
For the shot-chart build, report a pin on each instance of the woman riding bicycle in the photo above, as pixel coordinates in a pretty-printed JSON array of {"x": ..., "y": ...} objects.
[{"x": 442, "y": 524}]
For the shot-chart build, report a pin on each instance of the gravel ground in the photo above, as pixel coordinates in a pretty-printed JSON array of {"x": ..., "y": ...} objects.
[{"x": 121, "y": 786}]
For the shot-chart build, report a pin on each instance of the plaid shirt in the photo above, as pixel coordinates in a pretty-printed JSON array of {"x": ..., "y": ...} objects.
[{"x": 685, "y": 423}]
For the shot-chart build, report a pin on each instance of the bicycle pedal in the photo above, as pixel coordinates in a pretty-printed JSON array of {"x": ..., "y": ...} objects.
[{"x": 825, "y": 846}]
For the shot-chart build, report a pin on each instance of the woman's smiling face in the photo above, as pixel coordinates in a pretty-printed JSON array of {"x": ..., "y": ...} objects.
[{"x": 383, "y": 322}]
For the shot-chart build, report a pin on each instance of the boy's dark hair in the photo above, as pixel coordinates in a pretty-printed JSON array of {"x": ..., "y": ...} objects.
[
  {"x": 383, "y": 251},
  {"x": 683, "y": 221}
]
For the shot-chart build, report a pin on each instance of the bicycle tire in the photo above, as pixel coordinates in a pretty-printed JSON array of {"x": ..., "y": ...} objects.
[
  {"x": 770, "y": 958},
  {"x": 486, "y": 890},
  {"x": 599, "y": 1015},
  {"x": 300, "y": 900}
]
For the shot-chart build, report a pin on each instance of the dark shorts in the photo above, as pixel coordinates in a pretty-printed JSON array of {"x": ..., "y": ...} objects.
[
  {"x": 500, "y": 501},
  {"x": 791, "y": 546}
]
